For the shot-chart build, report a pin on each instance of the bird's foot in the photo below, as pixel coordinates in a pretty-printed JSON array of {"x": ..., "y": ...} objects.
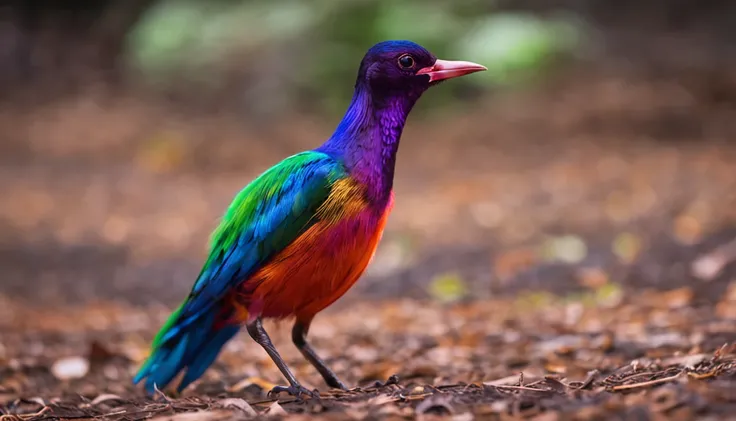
[
  {"x": 393, "y": 379},
  {"x": 296, "y": 390}
]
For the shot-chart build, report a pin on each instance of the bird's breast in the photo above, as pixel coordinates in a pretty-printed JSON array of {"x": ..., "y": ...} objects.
[{"x": 322, "y": 263}]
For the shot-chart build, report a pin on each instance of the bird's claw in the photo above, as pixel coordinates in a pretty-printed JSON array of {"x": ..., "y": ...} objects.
[
  {"x": 393, "y": 379},
  {"x": 297, "y": 391}
]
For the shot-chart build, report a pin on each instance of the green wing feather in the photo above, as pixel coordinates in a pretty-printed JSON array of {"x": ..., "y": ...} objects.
[{"x": 264, "y": 218}]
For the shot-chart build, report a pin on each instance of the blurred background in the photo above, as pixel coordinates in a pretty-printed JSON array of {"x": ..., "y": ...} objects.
[{"x": 596, "y": 154}]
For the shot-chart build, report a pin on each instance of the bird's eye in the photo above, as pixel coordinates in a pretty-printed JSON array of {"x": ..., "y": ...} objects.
[{"x": 406, "y": 61}]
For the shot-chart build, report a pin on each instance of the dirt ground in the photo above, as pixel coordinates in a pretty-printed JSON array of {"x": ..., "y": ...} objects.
[
  {"x": 568, "y": 258},
  {"x": 649, "y": 355}
]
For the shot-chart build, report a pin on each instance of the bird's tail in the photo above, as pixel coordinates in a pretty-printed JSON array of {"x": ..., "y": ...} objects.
[{"x": 191, "y": 345}]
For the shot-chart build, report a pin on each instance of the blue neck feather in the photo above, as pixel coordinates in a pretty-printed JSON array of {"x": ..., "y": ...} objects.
[{"x": 367, "y": 138}]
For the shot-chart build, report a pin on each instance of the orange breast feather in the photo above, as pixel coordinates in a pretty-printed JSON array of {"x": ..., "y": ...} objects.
[{"x": 321, "y": 264}]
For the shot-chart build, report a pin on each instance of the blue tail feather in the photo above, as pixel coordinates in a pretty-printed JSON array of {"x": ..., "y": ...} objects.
[
  {"x": 207, "y": 355},
  {"x": 192, "y": 348}
]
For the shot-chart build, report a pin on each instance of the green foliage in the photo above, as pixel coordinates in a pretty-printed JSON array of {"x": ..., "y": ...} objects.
[
  {"x": 321, "y": 42},
  {"x": 511, "y": 44}
]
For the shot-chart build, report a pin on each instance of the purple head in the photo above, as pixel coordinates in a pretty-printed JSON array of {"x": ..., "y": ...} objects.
[
  {"x": 392, "y": 76},
  {"x": 404, "y": 68}
]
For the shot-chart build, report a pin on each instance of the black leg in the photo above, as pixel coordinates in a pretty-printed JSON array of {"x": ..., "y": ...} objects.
[
  {"x": 256, "y": 331},
  {"x": 299, "y": 336}
]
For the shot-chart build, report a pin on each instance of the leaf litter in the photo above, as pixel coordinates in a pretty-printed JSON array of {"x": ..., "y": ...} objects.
[{"x": 651, "y": 353}]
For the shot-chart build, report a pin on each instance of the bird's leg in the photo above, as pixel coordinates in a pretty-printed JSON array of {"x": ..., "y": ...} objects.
[
  {"x": 256, "y": 331},
  {"x": 299, "y": 337}
]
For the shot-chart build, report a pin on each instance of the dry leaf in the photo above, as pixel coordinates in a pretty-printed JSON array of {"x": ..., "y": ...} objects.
[
  {"x": 380, "y": 400},
  {"x": 688, "y": 229},
  {"x": 506, "y": 381},
  {"x": 195, "y": 416},
  {"x": 592, "y": 278},
  {"x": 546, "y": 416},
  {"x": 275, "y": 409},
  {"x": 99, "y": 353},
  {"x": 239, "y": 404},
  {"x": 437, "y": 404},
  {"x": 556, "y": 368},
  {"x": 678, "y": 298},
  {"x": 104, "y": 398},
  {"x": 509, "y": 264},
  {"x": 263, "y": 384},
  {"x": 687, "y": 361},
  {"x": 70, "y": 368}
]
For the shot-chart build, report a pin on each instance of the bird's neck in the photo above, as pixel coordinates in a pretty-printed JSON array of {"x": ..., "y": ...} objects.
[{"x": 367, "y": 139}]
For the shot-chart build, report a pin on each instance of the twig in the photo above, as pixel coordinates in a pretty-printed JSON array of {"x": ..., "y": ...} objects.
[
  {"x": 522, "y": 388},
  {"x": 414, "y": 397},
  {"x": 592, "y": 376},
  {"x": 25, "y": 416},
  {"x": 633, "y": 376},
  {"x": 648, "y": 383},
  {"x": 120, "y": 412},
  {"x": 264, "y": 401},
  {"x": 506, "y": 380}
]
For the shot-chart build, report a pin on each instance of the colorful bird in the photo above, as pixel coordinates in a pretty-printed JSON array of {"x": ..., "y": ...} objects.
[{"x": 297, "y": 238}]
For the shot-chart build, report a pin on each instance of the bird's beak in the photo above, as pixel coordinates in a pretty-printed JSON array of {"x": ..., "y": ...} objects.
[{"x": 445, "y": 69}]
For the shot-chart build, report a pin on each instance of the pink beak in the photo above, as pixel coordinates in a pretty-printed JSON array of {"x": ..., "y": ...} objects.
[{"x": 445, "y": 69}]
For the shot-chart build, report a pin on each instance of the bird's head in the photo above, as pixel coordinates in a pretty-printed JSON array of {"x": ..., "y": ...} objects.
[{"x": 404, "y": 67}]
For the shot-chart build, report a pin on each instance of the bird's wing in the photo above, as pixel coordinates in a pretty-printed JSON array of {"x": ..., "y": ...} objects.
[{"x": 264, "y": 218}]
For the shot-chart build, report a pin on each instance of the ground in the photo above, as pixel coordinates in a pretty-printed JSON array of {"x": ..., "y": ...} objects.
[
  {"x": 563, "y": 259},
  {"x": 645, "y": 356}
]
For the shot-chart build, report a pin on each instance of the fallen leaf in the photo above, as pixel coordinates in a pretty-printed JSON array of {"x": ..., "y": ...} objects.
[
  {"x": 37, "y": 400},
  {"x": 104, "y": 398},
  {"x": 98, "y": 353},
  {"x": 195, "y": 416},
  {"x": 261, "y": 383},
  {"x": 436, "y": 404},
  {"x": 417, "y": 390},
  {"x": 70, "y": 368},
  {"x": 505, "y": 381},
  {"x": 556, "y": 368},
  {"x": 687, "y": 361},
  {"x": 507, "y": 265},
  {"x": 592, "y": 278},
  {"x": 546, "y": 416},
  {"x": 678, "y": 298},
  {"x": 239, "y": 404},
  {"x": 465, "y": 416},
  {"x": 275, "y": 409},
  {"x": 604, "y": 342},
  {"x": 687, "y": 229},
  {"x": 380, "y": 400},
  {"x": 555, "y": 384}
]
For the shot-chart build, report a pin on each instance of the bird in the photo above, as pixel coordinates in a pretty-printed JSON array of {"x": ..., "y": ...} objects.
[{"x": 299, "y": 236}]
